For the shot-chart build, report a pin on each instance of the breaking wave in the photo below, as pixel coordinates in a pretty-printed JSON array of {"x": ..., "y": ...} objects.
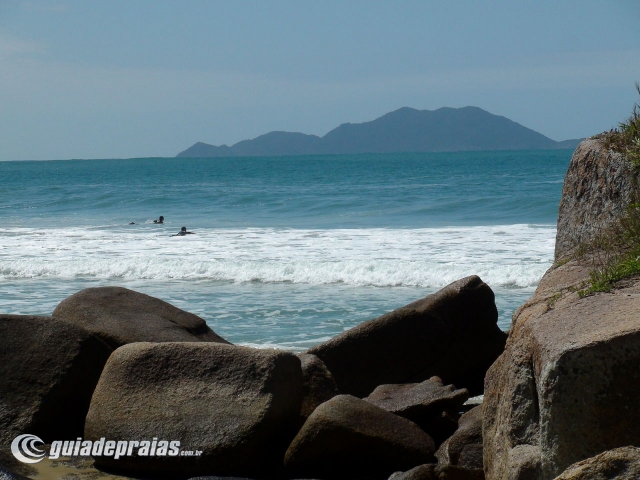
[{"x": 504, "y": 255}]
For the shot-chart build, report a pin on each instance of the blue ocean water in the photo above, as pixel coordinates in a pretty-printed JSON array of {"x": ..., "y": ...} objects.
[{"x": 287, "y": 251}]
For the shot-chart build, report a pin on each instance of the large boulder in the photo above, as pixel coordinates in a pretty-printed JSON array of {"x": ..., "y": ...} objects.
[
  {"x": 464, "y": 447},
  {"x": 238, "y": 406},
  {"x": 618, "y": 464},
  {"x": 451, "y": 334},
  {"x": 347, "y": 438},
  {"x": 318, "y": 385},
  {"x": 48, "y": 371},
  {"x": 418, "y": 402},
  {"x": 596, "y": 191},
  {"x": 566, "y": 388},
  {"x": 120, "y": 316}
]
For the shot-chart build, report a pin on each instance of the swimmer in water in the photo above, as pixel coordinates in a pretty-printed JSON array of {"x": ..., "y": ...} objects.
[
  {"x": 183, "y": 232},
  {"x": 160, "y": 220}
]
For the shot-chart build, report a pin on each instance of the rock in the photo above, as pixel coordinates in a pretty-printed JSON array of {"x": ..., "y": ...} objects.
[
  {"x": 318, "y": 385},
  {"x": 48, "y": 371},
  {"x": 421, "y": 472},
  {"x": 452, "y": 334},
  {"x": 442, "y": 426},
  {"x": 14, "y": 466},
  {"x": 236, "y": 405},
  {"x": 471, "y": 457},
  {"x": 456, "y": 472},
  {"x": 225, "y": 478},
  {"x": 558, "y": 287},
  {"x": 347, "y": 437},
  {"x": 421, "y": 403},
  {"x": 618, "y": 464},
  {"x": 219, "y": 478},
  {"x": 6, "y": 474},
  {"x": 438, "y": 472},
  {"x": 120, "y": 316},
  {"x": 524, "y": 463},
  {"x": 566, "y": 388},
  {"x": 460, "y": 456},
  {"x": 464, "y": 447},
  {"x": 596, "y": 192}
]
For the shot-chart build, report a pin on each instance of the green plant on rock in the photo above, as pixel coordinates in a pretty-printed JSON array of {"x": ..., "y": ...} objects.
[
  {"x": 617, "y": 255},
  {"x": 626, "y": 138}
]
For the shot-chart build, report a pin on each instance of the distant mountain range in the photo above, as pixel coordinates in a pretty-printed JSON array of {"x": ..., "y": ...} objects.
[{"x": 403, "y": 130}]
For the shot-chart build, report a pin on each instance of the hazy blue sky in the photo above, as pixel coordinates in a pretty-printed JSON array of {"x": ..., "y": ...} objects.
[{"x": 88, "y": 79}]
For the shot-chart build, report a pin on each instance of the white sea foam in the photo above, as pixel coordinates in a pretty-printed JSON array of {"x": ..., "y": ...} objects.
[{"x": 507, "y": 255}]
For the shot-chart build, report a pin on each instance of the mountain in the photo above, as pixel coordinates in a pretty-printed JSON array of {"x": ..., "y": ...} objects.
[
  {"x": 403, "y": 130},
  {"x": 279, "y": 143}
]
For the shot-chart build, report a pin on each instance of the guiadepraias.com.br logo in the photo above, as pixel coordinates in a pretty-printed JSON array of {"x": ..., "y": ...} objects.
[
  {"x": 29, "y": 448},
  {"x": 25, "y": 448}
]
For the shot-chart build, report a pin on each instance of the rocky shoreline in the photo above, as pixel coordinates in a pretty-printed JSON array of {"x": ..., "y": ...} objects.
[
  {"x": 384, "y": 400},
  {"x": 377, "y": 399}
]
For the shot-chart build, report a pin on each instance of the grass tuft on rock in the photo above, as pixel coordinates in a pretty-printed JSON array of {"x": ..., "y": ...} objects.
[
  {"x": 617, "y": 254},
  {"x": 626, "y": 138}
]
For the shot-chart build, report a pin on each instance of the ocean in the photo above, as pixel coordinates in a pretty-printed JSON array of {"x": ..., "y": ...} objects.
[{"x": 287, "y": 251}]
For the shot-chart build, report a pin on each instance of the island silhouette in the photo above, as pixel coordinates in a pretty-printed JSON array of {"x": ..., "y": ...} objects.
[{"x": 403, "y": 130}]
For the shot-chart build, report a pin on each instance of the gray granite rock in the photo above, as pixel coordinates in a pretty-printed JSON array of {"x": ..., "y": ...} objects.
[
  {"x": 119, "y": 316},
  {"x": 618, "y": 464},
  {"x": 566, "y": 387},
  {"x": 452, "y": 334},
  {"x": 238, "y": 406},
  {"x": 596, "y": 192},
  {"x": 318, "y": 384},
  {"x": 419, "y": 402},
  {"x": 347, "y": 437},
  {"x": 464, "y": 447},
  {"x": 48, "y": 371}
]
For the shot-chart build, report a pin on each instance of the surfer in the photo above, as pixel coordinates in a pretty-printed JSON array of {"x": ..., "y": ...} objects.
[
  {"x": 183, "y": 232},
  {"x": 160, "y": 220}
]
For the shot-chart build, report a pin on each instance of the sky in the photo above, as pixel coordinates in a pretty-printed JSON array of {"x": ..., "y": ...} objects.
[{"x": 122, "y": 79}]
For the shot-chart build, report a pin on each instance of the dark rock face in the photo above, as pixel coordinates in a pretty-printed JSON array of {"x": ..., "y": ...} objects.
[
  {"x": 318, "y": 386},
  {"x": 471, "y": 456},
  {"x": 464, "y": 448},
  {"x": 438, "y": 472},
  {"x": 451, "y": 334},
  {"x": 48, "y": 371},
  {"x": 6, "y": 474},
  {"x": 349, "y": 438},
  {"x": 120, "y": 316},
  {"x": 421, "y": 403},
  {"x": 11, "y": 465},
  {"x": 455, "y": 472},
  {"x": 219, "y": 478},
  {"x": 619, "y": 464},
  {"x": 421, "y": 472},
  {"x": 236, "y": 405},
  {"x": 595, "y": 193},
  {"x": 441, "y": 426},
  {"x": 565, "y": 388}
]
